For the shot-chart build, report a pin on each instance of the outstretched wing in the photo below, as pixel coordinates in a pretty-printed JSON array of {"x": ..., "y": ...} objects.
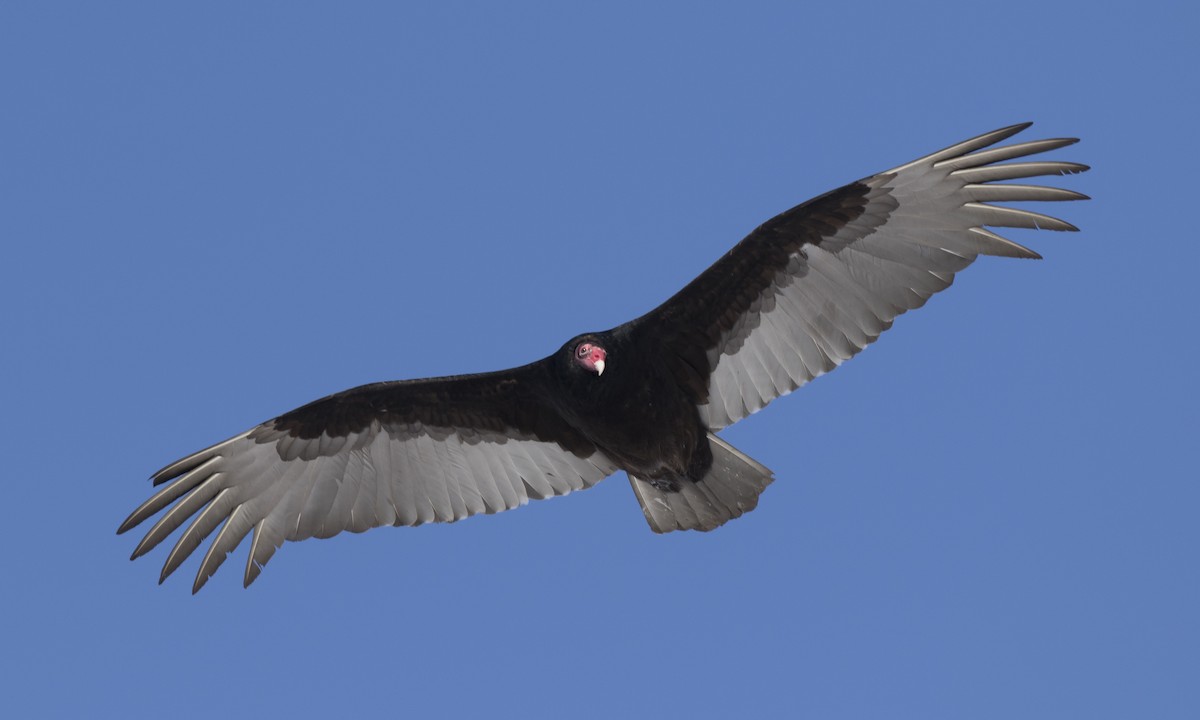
[
  {"x": 395, "y": 453},
  {"x": 811, "y": 287}
]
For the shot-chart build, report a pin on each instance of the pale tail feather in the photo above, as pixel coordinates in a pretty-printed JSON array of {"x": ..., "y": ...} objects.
[{"x": 729, "y": 489}]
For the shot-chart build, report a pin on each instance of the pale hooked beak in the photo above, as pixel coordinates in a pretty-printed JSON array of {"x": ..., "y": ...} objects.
[{"x": 599, "y": 367}]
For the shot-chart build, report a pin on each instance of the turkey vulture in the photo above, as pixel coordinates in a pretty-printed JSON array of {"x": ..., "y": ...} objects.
[{"x": 801, "y": 294}]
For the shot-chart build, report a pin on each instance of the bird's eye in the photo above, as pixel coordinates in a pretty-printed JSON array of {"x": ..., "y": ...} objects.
[{"x": 582, "y": 350}]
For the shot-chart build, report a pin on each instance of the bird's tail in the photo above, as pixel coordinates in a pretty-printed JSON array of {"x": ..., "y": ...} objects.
[{"x": 729, "y": 488}]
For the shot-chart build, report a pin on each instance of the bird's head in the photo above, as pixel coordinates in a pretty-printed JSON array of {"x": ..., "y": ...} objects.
[{"x": 589, "y": 354}]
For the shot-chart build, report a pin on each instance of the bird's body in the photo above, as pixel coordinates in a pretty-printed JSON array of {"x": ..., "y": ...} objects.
[
  {"x": 801, "y": 294},
  {"x": 638, "y": 415}
]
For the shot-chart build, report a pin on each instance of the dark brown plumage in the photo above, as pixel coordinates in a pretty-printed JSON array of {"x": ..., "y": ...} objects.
[{"x": 805, "y": 291}]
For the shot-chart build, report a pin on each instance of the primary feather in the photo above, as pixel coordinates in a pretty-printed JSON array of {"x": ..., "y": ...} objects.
[{"x": 803, "y": 293}]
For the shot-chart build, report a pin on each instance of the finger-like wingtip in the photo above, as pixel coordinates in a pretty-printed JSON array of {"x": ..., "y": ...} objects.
[{"x": 970, "y": 145}]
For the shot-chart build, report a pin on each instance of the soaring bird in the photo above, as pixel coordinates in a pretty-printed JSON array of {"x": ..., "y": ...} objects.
[{"x": 802, "y": 293}]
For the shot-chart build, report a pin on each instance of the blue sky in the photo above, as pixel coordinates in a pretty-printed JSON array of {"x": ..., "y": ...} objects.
[{"x": 212, "y": 215}]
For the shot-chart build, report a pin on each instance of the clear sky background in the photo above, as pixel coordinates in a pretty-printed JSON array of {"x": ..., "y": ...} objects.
[{"x": 210, "y": 215}]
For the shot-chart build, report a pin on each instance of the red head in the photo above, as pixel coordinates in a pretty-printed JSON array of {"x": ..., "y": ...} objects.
[{"x": 591, "y": 356}]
